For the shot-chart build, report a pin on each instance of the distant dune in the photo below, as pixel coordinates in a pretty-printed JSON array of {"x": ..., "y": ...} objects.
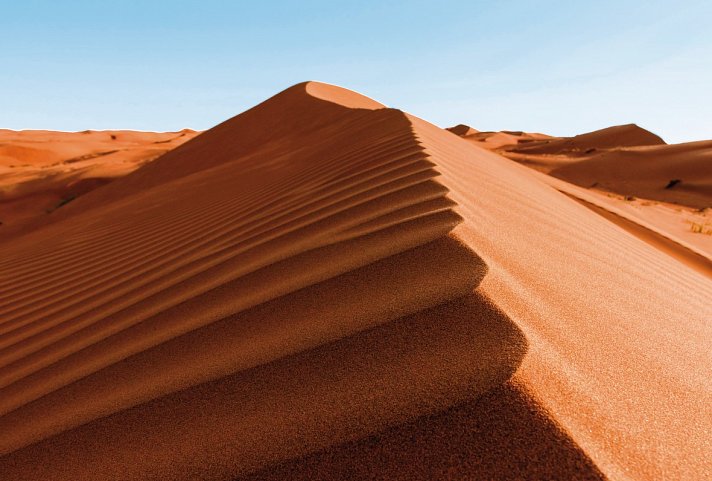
[
  {"x": 680, "y": 173},
  {"x": 41, "y": 170},
  {"x": 497, "y": 140},
  {"x": 624, "y": 167},
  {"x": 326, "y": 288},
  {"x": 629, "y": 135}
]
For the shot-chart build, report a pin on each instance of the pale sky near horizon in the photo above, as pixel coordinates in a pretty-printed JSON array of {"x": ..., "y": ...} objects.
[{"x": 548, "y": 66}]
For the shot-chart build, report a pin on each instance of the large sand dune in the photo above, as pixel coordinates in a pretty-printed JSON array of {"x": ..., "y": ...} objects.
[{"x": 323, "y": 287}]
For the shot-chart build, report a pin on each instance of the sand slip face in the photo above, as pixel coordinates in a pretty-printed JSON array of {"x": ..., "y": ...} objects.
[
  {"x": 321, "y": 288},
  {"x": 293, "y": 262}
]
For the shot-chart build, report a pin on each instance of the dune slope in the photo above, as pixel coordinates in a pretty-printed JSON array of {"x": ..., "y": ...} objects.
[
  {"x": 41, "y": 171},
  {"x": 248, "y": 267},
  {"x": 680, "y": 173},
  {"x": 322, "y": 278},
  {"x": 619, "y": 333},
  {"x": 666, "y": 186},
  {"x": 628, "y": 135}
]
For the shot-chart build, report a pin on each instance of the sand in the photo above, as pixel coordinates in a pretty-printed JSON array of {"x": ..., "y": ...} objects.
[
  {"x": 625, "y": 159},
  {"x": 324, "y": 288},
  {"x": 507, "y": 139},
  {"x": 679, "y": 174},
  {"x": 658, "y": 192},
  {"x": 41, "y": 171},
  {"x": 629, "y": 135}
]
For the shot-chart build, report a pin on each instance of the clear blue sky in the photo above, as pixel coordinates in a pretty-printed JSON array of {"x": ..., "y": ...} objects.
[{"x": 560, "y": 67}]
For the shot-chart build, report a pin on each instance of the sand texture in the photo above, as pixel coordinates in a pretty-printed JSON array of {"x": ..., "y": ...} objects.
[
  {"x": 661, "y": 193},
  {"x": 326, "y": 288},
  {"x": 41, "y": 171}
]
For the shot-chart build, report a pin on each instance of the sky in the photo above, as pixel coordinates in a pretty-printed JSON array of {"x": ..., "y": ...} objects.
[{"x": 558, "y": 67}]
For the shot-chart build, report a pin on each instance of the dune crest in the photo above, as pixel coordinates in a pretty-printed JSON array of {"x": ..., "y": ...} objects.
[
  {"x": 320, "y": 275},
  {"x": 246, "y": 272},
  {"x": 341, "y": 96}
]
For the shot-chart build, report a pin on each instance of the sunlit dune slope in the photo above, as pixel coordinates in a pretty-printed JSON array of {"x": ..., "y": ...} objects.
[
  {"x": 609, "y": 319},
  {"x": 665, "y": 186},
  {"x": 323, "y": 285}
]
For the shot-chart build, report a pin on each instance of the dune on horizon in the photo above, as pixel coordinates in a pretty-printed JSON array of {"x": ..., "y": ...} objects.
[
  {"x": 323, "y": 287},
  {"x": 661, "y": 193},
  {"x": 42, "y": 171}
]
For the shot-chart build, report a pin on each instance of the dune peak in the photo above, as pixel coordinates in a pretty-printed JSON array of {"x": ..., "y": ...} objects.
[
  {"x": 320, "y": 280},
  {"x": 342, "y": 96},
  {"x": 462, "y": 130}
]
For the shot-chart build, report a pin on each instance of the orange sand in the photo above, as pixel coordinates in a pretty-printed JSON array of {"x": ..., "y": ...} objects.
[
  {"x": 325, "y": 288},
  {"x": 619, "y": 176},
  {"x": 41, "y": 171},
  {"x": 647, "y": 171}
]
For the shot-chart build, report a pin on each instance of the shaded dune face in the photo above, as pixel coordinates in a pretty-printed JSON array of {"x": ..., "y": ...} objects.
[
  {"x": 285, "y": 282},
  {"x": 339, "y": 391},
  {"x": 502, "y": 435},
  {"x": 41, "y": 171}
]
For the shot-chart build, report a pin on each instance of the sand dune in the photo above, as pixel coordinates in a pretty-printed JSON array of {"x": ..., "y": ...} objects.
[
  {"x": 625, "y": 159},
  {"x": 546, "y": 153},
  {"x": 629, "y": 135},
  {"x": 664, "y": 186},
  {"x": 41, "y": 171},
  {"x": 680, "y": 173},
  {"x": 693, "y": 250},
  {"x": 321, "y": 279},
  {"x": 506, "y": 139}
]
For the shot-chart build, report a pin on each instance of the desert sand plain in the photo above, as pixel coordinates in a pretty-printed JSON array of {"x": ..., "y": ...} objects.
[{"x": 323, "y": 287}]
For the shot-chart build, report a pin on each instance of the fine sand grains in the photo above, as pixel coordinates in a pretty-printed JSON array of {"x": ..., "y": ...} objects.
[{"x": 322, "y": 288}]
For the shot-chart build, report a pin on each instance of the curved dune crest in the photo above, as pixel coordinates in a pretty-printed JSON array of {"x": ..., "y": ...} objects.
[
  {"x": 251, "y": 272},
  {"x": 462, "y": 130},
  {"x": 321, "y": 278},
  {"x": 341, "y": 96}
]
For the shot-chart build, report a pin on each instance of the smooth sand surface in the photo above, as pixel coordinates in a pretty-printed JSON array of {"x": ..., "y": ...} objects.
[
  {"x": 326, "y": 288},
  {"x": 680, "y": 173},
  {"x": 547, "y": 153},
  {"x": 661, "y": 193},
  {"x": 625, "y": 159},
  {"x": 649, "y": 223},
  {"x": 618, "y": 332}
]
